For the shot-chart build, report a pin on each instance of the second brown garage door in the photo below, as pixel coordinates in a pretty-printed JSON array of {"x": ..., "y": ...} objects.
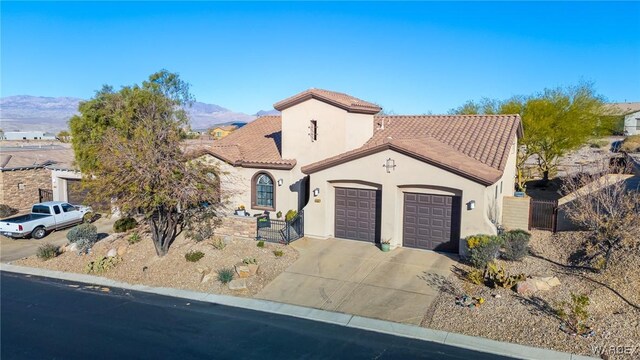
[
  {"x": 357, "y": 214},
  {"x": 431, "y": 222}
]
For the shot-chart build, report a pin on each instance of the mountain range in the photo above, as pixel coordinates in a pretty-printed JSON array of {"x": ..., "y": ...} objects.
[{"x": 24, "y": 113}]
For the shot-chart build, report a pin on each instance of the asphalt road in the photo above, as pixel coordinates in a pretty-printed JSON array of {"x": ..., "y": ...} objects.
[
  {"x": 14, "y": 249},
  {"x": 54, "y": 319}
]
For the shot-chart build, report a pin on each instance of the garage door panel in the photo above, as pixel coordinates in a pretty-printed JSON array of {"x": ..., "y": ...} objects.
[
  {"x": 428, "y": 221},
  {"x": 357, "y": 214}
]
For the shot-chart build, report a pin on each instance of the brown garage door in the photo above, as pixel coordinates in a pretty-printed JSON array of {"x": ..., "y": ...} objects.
[
  {"x": 431, "y": 222},
  {"x": 76, "y": 195},
  {"x": 357, "y": 214}
]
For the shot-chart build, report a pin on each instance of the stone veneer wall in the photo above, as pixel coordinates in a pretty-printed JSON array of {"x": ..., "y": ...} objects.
[
  {"x": 515, "y": 213},
  {"x": 240, "y": 226},
  {"x": 22, "y": 197}
]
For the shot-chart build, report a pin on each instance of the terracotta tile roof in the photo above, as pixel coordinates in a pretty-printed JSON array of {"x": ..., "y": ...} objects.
[
  {"x": 341, "y": 100},
  {"x": 474, "y": 146},
  {"x": 257, "y": 144}
]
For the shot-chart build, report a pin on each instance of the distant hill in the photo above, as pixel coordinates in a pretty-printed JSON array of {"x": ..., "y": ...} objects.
[
  {"x": 51, "y": 114},
  {"x": 267, "y": 112}
]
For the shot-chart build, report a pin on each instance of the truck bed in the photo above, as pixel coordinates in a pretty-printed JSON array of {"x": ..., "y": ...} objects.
[{"x": 24, "y": 218}]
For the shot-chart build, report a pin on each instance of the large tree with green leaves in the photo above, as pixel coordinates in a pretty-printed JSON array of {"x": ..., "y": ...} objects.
[
  {"x": 555, "y": 122},
  {"x": 127, "y": 144}
]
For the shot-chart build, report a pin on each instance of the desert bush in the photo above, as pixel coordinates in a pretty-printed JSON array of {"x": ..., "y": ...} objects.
[
  {"x": 516, "y": 244},
  {"x": 475, "y": 276},
  {"x": 278, "y": 253},
  {"x": 84, "y": 235},
  {"x": 248, "y": 261},
  {"x": 218, "y": 243},
  {"x": 483, "y": 249},
  {"x": 202, "y": 223},
  {"x": 6, "y": 211},
  {"x": 631, "y": 144},
  {"x": 574, "y": 313},
  {"x": 598, "y": 144},
  {"x": 290, "y": 215},
  {"x": 47, "y": 251},
  {"x": 193, "y": 256},
  {"x": 134, "y": 238},
  {"x": 260, "y": 244},
  {"x": 104, "y": 264},
  {"x": 124, "y": 224},
  {"x": 225, "y": 275},
  {"x": 495, "y": 276}
]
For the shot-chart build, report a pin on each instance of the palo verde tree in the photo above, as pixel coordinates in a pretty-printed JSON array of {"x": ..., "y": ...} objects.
[
  {"x": 555, "y": 122},
  {"x": 127, "y": 143}
]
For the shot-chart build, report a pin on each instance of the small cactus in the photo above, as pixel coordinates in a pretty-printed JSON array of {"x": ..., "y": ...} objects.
[{"x": 496, "y": 276}]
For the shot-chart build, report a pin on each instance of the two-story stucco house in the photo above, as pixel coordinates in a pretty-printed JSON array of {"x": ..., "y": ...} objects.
[{"x": 421, "y": 181}]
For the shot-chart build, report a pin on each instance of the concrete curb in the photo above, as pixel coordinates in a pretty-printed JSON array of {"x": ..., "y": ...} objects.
[{"x": 352, "y": 321}]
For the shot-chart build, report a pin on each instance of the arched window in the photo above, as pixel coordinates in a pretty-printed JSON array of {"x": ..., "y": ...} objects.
[{"x": 263, "y": 192}]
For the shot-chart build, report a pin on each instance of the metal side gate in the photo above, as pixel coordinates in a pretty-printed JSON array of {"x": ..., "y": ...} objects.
[
  {"x": 543, "y": 214},
  {"x": 280, "y": 231}
]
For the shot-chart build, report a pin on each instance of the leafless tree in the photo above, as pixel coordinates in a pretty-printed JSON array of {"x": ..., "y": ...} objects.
[{"x": 609, "y": 208}]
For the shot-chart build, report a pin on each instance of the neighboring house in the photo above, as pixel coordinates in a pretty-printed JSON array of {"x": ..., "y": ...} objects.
[
  {"x": 631, "y": 113},
  {"x": 27, "y": 135},
  {"x": 222, "y": 131},
  {"x": 27, "y": 174},
  {"x": 420, "y": 181}
]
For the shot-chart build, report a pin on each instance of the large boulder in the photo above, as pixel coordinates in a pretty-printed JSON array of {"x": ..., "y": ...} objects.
[
  {"x": 112, "y": 253},
  {"x": 243, "y": 270},
  {"x": 238, "y": 284},
  {"x": 534, "y": 284}
]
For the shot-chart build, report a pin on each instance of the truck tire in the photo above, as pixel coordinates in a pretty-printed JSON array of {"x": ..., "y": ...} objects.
[{"x": 39, "y": 232}]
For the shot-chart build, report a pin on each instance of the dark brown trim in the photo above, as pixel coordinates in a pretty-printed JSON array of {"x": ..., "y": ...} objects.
[
  {"x": 287, "y": 103},
  {"x": 309, "y": 169},
  {"x": 255, "y": 176},
  {"x": 239, "y": 163}
]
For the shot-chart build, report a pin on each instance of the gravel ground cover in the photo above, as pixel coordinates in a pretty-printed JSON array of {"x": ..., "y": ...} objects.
[
  {"x": 141, "y": 265},
  {"x": 531, "y": 320}
]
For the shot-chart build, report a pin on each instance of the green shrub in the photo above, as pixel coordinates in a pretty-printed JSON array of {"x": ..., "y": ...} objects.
[
  {"x": 134, "y": 238},
  {"x": 102, "y": 265},
  {"x": 225, "y": 275},
  {"x": 193, "y": 256},
  {"x": 260, "y": 244},
  {"x": 516, "y": 244},
  {"x": 475, "y": 276},
  {"x": 279, "y": 214},
  {"x": 84, "y": 236},
  {"x": 483, "y": 249},
  {"x": 574, "y": 314},
  {"x": 6, "y": 211},
  {"x": 290, "y": 215},
  {"x": 278, "y": 253},
  {"x": 248, "y": 261},
  {"x": 218, "y": 243},
  {"x": 124, "y": 224},
  {"x": 597, "y": 144},
  {"x": 47, "y": 251}
]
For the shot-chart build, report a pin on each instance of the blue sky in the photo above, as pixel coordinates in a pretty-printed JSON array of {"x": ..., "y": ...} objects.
[{"x": 411, "y": 58}]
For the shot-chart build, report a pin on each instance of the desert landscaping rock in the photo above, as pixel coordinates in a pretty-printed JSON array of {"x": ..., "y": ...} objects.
[
  {"x": 238, "y": 284},
  {"x": 122, "y": 249},
  {"x": 531, "y": 285},
  {"x": 141, "y": 265},
  {"x": 243, "y": 270},
  {"x": 112, "y": 253},
  {"x": 253, "y": 269}
]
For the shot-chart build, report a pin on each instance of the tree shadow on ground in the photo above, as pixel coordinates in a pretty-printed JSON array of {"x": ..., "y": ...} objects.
[
  {"x": 537, "y": 306},
  {"x": 441, "y": 283},
  {"x": 102, "y": 236}
]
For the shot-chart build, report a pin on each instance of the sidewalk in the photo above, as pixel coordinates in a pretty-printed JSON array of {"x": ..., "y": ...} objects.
[{"x": 353, "y": 321}]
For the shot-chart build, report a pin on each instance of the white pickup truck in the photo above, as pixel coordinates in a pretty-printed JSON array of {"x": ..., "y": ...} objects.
[{"x": 44, "y": 217}]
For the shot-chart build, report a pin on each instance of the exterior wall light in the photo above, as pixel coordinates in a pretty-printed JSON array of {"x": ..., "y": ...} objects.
[
  {"x": 280, "y": 181},
  {"x": 316, "y": 192},
  {"x": 471, "y": 205},
  {"x": 390, "y": 164}
]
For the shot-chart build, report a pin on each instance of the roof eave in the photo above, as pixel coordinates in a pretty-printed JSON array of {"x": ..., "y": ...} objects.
[
  {"x": 285, "y": 104},
  {"x": 310, "y": 169}
]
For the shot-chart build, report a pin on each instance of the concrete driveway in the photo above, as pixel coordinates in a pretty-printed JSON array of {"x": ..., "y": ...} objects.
[
  {"x": 357, "y": 278},
  {"x": 11, "y": 249}
]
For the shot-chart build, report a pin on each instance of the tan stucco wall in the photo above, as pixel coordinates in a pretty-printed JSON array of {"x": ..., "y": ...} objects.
[
  {"x": 236, "y": 186},
  {"x": 59, "y": 183},
  {"x": 21, "y": 197},
  {"x": 410, "y": 175},
  {"x": 338, "y": 131},
  {"x": 505, "y": 186}
]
